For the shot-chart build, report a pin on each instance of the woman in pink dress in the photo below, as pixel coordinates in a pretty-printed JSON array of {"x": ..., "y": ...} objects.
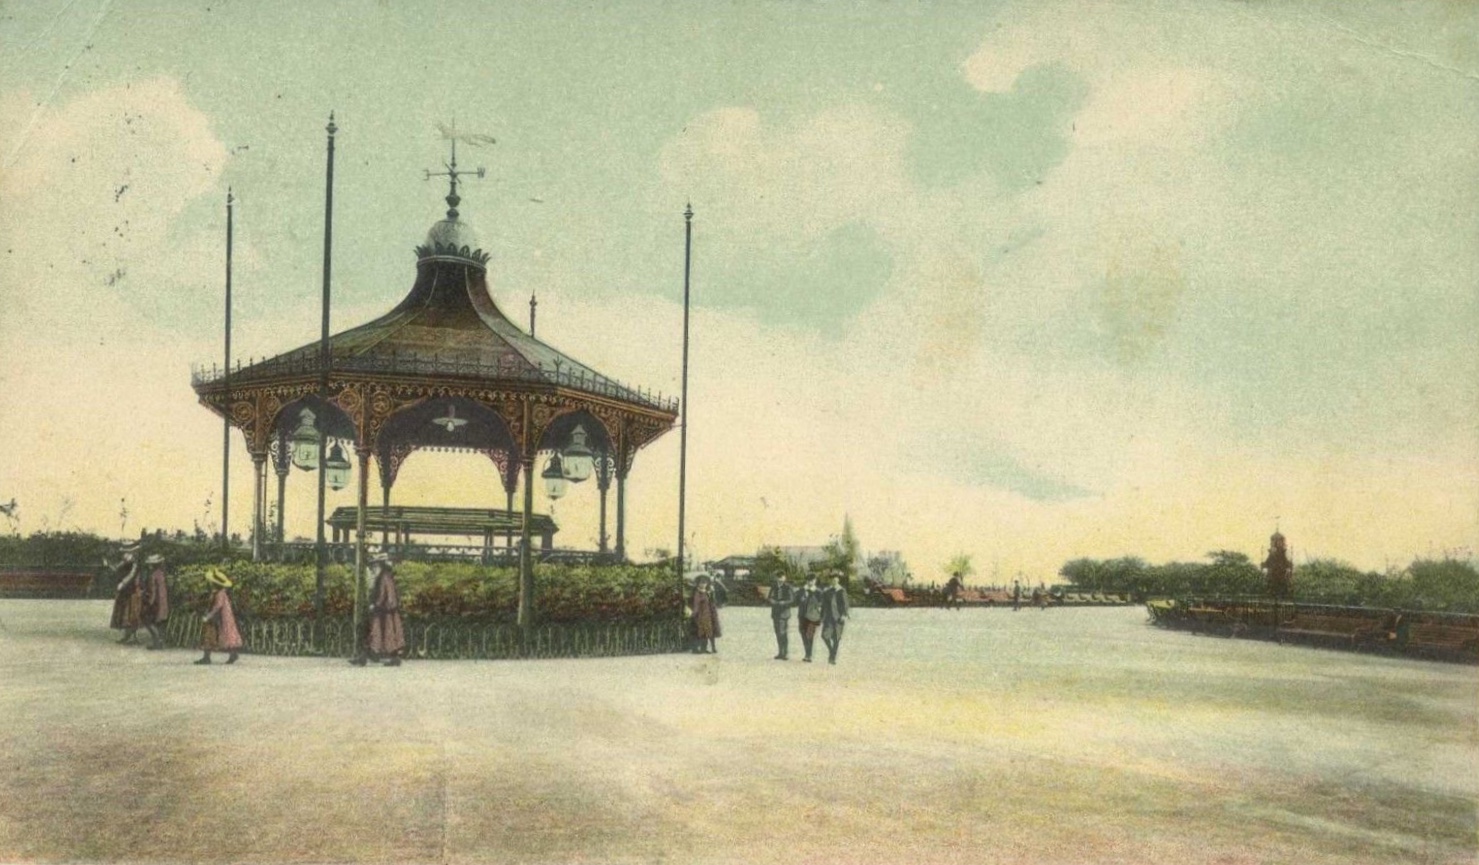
[
  {"x": 385, "y": 635},
  {"x": 218, "y": 631}
]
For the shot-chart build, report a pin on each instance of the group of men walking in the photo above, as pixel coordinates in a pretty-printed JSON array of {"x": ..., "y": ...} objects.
[{"x": 817, "y": 608}]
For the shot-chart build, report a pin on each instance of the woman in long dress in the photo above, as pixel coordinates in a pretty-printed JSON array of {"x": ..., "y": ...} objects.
[
  {"x": 705, "y": 617},
  {"x": 218, "y": 631},
  {"x": 385, "y": 636},
  {"x": 128, "y": 601}
]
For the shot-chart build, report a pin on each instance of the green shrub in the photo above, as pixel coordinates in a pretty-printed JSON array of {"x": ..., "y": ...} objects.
[{"x": 457, "y": 591}]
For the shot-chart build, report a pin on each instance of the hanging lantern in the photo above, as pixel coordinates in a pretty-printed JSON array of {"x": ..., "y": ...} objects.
[
  {"x": 305, "y": 442},
  {"x": 579, "y": 461},
  {"x": 336, "y": 468},
  {"x": 554, "y": 478}
]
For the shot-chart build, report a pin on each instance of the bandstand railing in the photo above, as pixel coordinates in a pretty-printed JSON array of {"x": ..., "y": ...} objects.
[
  {"x": 413, "y": 364},
  {"x": 292, "y": 552}
]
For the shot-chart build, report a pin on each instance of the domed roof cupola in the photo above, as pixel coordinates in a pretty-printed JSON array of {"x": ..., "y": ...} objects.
[{"x": 451, "y": 239}]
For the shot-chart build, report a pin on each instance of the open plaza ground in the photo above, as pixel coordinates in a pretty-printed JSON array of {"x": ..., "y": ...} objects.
[{"x": 1071, "y": 735}]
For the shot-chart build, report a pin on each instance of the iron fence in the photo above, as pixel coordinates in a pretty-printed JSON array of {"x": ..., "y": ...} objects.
[
  {"x": 449, "y": 639},
  {"x": 304, "y": 552}
]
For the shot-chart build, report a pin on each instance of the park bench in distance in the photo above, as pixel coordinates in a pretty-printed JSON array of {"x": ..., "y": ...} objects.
[
  {"x": 894, "y": 596},
  {"x": 38, "y": 583},
  {"x": 1347, "y": 630},
  {"x": 1443, "y": 640}
]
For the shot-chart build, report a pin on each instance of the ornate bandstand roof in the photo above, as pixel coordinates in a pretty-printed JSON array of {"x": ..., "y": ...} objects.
[{"x": 445, "y": 348}]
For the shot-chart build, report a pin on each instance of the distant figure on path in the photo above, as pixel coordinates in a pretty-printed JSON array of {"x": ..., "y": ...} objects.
[
  {"x": 155, "y": 601},
  {"x": 834, "y": 616},
  {"x": 809, "y": 614},
  {"x": 218, "y": 631},
  {"x": 952, "y": 592},
  {"x": 1016, "y": 595},
  {"x": 705, "y": 621},
  {"x": 1039, "y": 598},
  {"x": 128, "y": 601},
  {"x": 385, "y": 635},
  {"x": 782, "y": 599}
]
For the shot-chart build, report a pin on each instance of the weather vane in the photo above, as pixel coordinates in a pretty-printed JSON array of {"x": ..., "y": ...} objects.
[{"x": 452, "y": 174}]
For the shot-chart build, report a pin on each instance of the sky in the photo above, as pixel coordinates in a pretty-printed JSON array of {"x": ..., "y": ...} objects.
[{"x": 1025, "y": 281}]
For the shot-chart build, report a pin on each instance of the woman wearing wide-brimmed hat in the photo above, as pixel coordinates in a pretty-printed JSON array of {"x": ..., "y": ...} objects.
[
  {"x": 128, "y": 601},
  {"x": 218, "y": 630},
  {"x": 155, "y": 610},
  {"x": 384, "y": 635}
]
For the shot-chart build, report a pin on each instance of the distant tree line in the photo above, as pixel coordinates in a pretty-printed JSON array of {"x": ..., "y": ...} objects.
[
  {"x": 1428, "y": 584},
  {"x": 86, "y": 550}
]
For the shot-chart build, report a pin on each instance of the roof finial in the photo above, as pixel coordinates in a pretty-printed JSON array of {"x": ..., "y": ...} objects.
[{"x": 452, "y": 174}]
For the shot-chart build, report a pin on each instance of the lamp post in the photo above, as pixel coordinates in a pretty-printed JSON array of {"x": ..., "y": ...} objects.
[
  {"x": 226, "y": 382},
  {"x": 323, "y": 387},
  {"x": 683, "y": 430}
]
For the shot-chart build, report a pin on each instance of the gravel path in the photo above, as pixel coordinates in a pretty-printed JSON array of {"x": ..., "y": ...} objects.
[{"x": 1072, "y": 736}]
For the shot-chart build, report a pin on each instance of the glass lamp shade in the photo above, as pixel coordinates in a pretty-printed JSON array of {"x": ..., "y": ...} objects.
[
  {"x": 554, "y": 478},
  {"x": 336, "y": 468},
  {"x": 305, "y": 442},
  {"x": 579, "y": 462}
]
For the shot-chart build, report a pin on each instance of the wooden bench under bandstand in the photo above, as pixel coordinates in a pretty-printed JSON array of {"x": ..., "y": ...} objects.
[{"x": 399, "y": 525}]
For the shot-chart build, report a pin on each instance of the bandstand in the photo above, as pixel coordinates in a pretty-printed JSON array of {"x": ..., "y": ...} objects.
[{"x": 447, "y": 370}]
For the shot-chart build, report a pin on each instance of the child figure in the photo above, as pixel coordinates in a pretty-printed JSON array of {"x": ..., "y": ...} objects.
[{"x": 218, "y": 631}]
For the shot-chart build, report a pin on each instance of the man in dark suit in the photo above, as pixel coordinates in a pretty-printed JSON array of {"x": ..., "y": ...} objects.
[
  {"x": 782, "y": 599},
  {"x": 809, "y": 613},
  {"x": 834, "y": 616}
]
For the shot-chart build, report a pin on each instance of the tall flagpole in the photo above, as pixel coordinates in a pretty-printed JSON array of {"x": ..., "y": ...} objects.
[
  {"x": 683, "y": 430},
  {"x": 323, "y": 379},
  {"x": 226, "y": 384}
]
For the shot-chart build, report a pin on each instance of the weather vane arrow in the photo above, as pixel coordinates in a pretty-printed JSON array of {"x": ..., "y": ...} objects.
[{"x": 452, "y": 173}]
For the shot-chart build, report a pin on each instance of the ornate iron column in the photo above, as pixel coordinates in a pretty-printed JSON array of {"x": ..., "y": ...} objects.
[
  {"x": 259, "y": 497},
  {"x": 282, "y": 462},
  {"x": 603, "y": 483},
  {"x": 621, "y": 514},
  {"x": 359, "y": 543},
  {"x": 526, "y": 561}
]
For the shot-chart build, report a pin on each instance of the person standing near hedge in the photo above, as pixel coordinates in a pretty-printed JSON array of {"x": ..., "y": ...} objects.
[
  {"x": 386, "y": 636},
  {"x": 155, "y": 601},
  {"x": 834, "y": 616},
  {"x": 127, "y": 601},
  {"x": 782, "y": 599},
  {"x": 705, "y": 627},
  {"x": 809, "y": 614},
  {"x": 218, "y": 631}
]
